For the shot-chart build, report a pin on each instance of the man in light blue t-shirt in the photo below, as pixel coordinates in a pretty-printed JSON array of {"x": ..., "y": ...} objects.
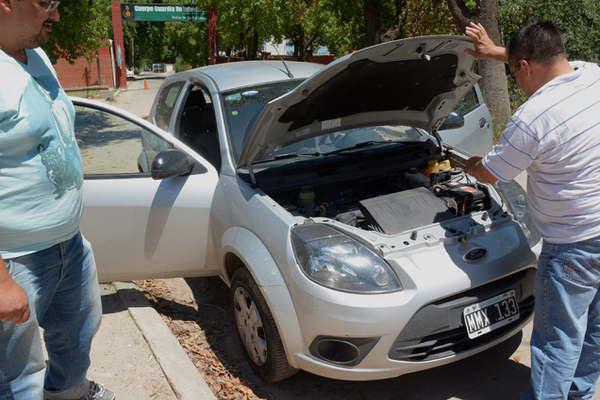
[
  {"x": 555, "y": 136},
  {"x": 47, "y": 272}
]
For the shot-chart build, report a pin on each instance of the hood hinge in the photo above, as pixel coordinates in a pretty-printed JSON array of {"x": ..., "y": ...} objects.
[
  {"x": 252, "y": 177},
  {"x": 439, "y": 140}
]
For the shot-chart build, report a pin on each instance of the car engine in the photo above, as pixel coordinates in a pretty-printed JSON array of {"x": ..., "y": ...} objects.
[{"x": 393, "y": 203}]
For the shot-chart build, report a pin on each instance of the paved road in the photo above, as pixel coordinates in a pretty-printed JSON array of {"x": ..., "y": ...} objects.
[{"x": 135, "y": 98}]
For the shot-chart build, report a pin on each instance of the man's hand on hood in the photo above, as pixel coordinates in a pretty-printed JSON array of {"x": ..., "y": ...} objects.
[{"x": 485, "y": 48}]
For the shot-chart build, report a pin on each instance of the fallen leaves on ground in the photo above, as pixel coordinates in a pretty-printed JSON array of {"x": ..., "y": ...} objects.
[{"x": 181, "y": 317}]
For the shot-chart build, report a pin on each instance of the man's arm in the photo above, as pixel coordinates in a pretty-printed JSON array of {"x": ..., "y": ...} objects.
[
  {"x": 474, "y": 167},
  {"x": 485, "y": 48},
  {"x": 14, "y": 306}
]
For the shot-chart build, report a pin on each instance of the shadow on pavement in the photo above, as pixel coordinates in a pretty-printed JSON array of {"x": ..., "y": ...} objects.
[
  {"x": 491, "y": 375},
  {"x": 111, "y": 303}
]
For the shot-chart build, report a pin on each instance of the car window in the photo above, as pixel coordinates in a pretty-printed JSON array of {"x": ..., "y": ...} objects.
[
  {"x": 112, "y": 145},
  {"x": 467, "y": 104},
  {"x": 166, "y": 102},
  {"x": 197, "y": 126},
  {"x": 243, "y": 106}
]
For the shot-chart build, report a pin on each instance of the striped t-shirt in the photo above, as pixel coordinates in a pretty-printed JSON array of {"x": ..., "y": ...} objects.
[{"x": 555, "y": 136}]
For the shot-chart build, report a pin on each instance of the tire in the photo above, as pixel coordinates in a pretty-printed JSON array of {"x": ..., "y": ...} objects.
[{"x": 262, "y": 346}]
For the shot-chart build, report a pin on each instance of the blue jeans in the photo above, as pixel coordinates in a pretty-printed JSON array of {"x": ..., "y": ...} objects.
[
  {"x": 64, "y": 299},
  {"x": 565, "y": 344}
]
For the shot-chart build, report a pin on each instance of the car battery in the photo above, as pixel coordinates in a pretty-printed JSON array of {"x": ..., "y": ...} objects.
[{"x": 462, "y": 198}]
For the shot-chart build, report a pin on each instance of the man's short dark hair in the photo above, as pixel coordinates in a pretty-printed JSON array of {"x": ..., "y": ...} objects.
[{"x": 537, "y": 41}]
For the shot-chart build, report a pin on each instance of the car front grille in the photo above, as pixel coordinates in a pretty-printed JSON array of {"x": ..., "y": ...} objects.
[{"x": 437, "y": 330}]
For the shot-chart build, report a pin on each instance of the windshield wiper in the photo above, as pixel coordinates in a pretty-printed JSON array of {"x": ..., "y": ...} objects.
[
  {"x": 368, "y": 143},
  {"x": 288, "y": 155}
]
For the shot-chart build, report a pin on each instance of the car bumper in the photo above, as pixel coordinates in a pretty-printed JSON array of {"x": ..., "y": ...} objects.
[
  {"x": 392, "y": 368},
  {"x": 411, "y": 334}
]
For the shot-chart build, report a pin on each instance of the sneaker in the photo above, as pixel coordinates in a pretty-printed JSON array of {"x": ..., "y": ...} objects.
[{"x": 97, "y": 391}]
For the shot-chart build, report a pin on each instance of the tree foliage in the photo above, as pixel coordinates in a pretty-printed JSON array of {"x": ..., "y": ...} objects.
[
  {"x": 427, "y": 18},
  {"x": 84, "y": 27},
  {"x": 579, "y": 20},
  {"x": 341, "y": 25}
]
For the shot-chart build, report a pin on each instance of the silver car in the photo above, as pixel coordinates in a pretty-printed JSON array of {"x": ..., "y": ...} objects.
[
  {"x": 354, "y": 244},
  {"x": 476, "y": 136}
]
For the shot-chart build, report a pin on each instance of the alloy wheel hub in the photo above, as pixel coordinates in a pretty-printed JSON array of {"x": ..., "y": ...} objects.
[{"x": 250, "y": 326}]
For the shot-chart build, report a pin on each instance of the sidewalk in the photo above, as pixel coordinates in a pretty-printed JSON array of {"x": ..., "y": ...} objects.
[
  {"x": 121, "y": 357},
  {"x": 135, "y": 98},
  {"x": 136, "y": 356}
]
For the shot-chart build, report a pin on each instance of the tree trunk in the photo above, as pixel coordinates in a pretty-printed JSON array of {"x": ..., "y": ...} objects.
[
  {"x": 493, "y": 78},
  {"x": 301, "y": 48},
  {"x": 372, "y": 23},
  {"x": 253, "y": 53},
  {"x": 397, "y": 31}
]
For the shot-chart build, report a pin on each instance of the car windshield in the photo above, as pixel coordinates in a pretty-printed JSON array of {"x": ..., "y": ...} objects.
[
  {"x": 243, "y": 106},
  {"x": 352, "y": 139}
]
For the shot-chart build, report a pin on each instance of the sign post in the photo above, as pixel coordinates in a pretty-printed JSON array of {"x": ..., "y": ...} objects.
[
  {"x": 162, "y": 12},
  {"x": 118, "y": 46},
  {"x": 132, "y": 12}
]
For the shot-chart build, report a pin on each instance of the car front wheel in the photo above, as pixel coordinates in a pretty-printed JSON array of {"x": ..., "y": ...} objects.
[{"x": 257, "y": 331}]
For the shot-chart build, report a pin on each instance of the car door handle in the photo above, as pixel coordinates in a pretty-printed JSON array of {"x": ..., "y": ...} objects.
[{"x": 482, "y": 122}]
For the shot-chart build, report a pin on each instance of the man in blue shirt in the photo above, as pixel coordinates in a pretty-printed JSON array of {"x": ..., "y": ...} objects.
[{"x": 47, "y": 271}]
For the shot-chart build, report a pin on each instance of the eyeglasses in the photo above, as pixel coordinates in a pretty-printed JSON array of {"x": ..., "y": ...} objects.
[
  {"x": 517, "y": 68},
  {"x": 50, "y": 6},
  {"x": 508, "y": 71}
]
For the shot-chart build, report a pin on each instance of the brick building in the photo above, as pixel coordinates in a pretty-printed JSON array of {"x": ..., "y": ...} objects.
[{"x": 97, "y": 72}]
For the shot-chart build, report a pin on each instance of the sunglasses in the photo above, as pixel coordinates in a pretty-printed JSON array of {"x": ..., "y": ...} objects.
[
  {"x": 508, "y": 72},
  {"x": 50, "y": 6}
]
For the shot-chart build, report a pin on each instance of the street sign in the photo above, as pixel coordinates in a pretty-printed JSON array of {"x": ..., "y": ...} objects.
[{"x": 162, "y": 12}]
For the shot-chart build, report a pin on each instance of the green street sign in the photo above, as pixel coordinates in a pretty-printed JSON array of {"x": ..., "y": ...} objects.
[{"x": 162, "y": 12}]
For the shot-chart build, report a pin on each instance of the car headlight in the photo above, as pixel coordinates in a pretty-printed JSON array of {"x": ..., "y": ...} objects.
[
  {"x": 339, "y": 262},
  {"x": 516, "y": 201}
]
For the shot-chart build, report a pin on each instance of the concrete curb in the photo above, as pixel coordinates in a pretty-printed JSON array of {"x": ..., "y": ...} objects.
[
  {"x": 182, "y": 375},
  {"x": 111, "y": 97}
]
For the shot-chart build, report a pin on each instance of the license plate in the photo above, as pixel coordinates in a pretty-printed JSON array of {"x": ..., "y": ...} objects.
[{"x": 491, "y": 314}]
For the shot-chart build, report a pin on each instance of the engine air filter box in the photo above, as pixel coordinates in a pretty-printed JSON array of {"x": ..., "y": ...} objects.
[{"x": 406, "y": 210}]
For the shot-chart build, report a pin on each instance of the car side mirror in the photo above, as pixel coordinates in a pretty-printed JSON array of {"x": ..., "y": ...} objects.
[
  {"x": 453, "y": 121},
  {"x": 171, "y": 162}
]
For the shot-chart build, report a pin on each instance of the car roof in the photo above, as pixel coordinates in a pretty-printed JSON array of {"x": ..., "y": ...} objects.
[{"x": 250, "y": 73}]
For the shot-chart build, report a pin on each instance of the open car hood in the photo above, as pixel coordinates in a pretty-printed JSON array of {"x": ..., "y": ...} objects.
[{"x": 415, "y": 82}]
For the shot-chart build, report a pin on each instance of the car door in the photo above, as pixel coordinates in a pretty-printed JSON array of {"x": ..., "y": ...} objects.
[
  {"x": 140, "y": 227},
  {"x": 476, "y": 136}
]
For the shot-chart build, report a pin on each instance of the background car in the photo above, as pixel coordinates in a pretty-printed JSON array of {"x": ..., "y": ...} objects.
[
  {"x": 476, "y": 136},
  {"x": 354, "y": 246},
  {"x": 158, "y": 67}
]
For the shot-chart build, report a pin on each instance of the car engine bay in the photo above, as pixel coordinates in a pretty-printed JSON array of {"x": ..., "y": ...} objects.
[{"x": 393, "y": 203}]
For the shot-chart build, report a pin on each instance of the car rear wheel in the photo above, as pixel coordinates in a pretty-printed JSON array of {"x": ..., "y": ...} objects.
[{"x": 257, "y": 331}]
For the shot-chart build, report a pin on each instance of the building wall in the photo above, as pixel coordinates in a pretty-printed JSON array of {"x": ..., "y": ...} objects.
[{"x": 83, "y": 73}]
